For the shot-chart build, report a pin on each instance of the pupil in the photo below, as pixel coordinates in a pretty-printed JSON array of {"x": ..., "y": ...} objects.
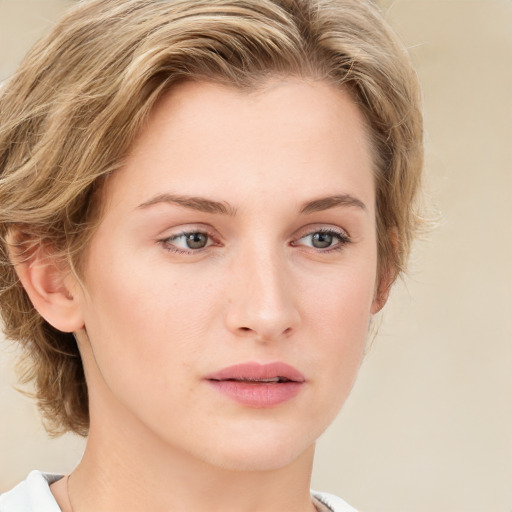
[
  {"x": 196, "y": 240},
  {"x": 322, "y": 240}
]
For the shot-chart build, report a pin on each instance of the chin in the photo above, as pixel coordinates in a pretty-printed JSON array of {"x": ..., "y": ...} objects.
[
  {"x": 271, "y": 458},
  {"x": 258, "y": 452}
]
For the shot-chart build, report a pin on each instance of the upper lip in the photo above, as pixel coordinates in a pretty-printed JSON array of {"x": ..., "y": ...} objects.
[{"x": 253, "y": 372}]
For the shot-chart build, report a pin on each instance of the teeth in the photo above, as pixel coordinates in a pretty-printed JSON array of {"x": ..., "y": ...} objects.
[
  {"x": 273, "y": 380},
  {"x": 264, "y": 381}
]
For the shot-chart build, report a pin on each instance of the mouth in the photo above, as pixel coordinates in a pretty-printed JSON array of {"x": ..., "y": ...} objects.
[
  {"x": 273, "y": 380},
  {"x": 252, "y": 372},
  {"x": 258, "y": 385}
]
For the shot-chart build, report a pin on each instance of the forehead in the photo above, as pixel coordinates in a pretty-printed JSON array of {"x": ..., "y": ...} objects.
[
  {"x": 302, "y": 136},
  {"x": 293, "y": 107}
]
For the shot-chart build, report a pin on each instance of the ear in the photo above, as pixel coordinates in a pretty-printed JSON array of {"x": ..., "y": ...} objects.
[
  {"x": 382, "y": 289},
  {"x": 387, "y": 277},
  {"x": 50, "y": 285}
]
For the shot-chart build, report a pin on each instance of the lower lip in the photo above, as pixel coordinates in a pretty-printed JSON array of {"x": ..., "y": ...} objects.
[{"x": 258, "y": 395}]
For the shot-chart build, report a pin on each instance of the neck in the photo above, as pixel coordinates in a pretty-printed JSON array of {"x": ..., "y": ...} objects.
[
  {"x": 130, "y": 469},
  {"x": 166, "y": 482},
  {"x": 128, "y": 466}
]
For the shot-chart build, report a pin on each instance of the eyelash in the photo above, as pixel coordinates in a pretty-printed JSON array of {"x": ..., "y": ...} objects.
[
  {"x": 342, "y": 236},
  {"x": 169, "y": 246}
]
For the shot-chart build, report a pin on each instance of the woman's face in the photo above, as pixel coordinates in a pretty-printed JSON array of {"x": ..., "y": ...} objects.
[{"x": 230, "y": 285}]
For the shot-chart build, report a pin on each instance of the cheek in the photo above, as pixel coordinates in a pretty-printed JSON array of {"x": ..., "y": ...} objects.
[
  {"x": 342, "y": 333},
  {"x": 147, "y": 322},
  {"x": 340, "y": 302},
  {"x": 338, "y": 322},
  {"x": 147, "y": 332}
]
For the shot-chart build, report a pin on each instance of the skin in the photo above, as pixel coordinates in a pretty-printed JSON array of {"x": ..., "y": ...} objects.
[{"x": 154, "y": 317}]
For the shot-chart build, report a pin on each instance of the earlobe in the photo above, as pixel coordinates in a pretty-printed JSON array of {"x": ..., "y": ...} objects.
[
  {"x": 382, "y": 291},
  {"x": 51, "y": 288},
  {"x": 387, "y": 277}
]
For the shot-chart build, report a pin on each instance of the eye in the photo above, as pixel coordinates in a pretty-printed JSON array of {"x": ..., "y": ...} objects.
[
  {"x": 189, "y": 241},
  {"x": 324, "y": 239}
]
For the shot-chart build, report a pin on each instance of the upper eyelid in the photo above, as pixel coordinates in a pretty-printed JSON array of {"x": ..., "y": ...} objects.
[
  {"x": 184, "y": 229},
  {"x": 168, "y": 242},
  {"x": 309, "y": 230},
  {"x": 341, "y": 237},
  {"x": 211, "y": 232},
  {"x": 169, "y": 239}
]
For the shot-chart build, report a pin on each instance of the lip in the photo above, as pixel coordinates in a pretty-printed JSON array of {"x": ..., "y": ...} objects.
[{"x": 258, "y": 385}]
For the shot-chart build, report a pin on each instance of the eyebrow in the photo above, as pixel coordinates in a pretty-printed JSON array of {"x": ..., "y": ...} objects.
[
  {"x": 194, "y": 203},
  {"x": 203, "y": 204},
  {"x": 325, "y": 203}
]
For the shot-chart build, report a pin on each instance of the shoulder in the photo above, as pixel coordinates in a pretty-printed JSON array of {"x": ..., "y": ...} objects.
[
  {"x": 31, "y": 495},
  {"x": 332, "y": 502},
  {"x": 34, "y": 495}
]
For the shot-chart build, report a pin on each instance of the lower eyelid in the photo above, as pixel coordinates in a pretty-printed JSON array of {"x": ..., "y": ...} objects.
[
  {"x": 170, "y": 245},
  {"x": 341, "y": 241},
  {"x": 343, "y": 238}
]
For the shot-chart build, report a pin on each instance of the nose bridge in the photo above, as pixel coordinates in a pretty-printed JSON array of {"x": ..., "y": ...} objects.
[{"x": 261, "y": 298}]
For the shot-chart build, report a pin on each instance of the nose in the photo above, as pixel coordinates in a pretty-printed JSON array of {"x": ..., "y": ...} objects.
[{"x": 261, "y": 299}]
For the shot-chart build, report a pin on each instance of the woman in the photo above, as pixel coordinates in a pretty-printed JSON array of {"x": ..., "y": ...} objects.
[{"x": 203, "y": 204}]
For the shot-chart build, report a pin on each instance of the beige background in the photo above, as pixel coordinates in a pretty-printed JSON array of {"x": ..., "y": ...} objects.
[{"x": 429, "y": 423}]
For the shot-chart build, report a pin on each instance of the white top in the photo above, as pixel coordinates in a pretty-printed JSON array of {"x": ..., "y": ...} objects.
[{"x": 34, "y": 495}]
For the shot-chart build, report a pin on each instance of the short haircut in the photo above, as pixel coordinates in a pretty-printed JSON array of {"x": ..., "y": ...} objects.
[{"x": 80, "y": 97}]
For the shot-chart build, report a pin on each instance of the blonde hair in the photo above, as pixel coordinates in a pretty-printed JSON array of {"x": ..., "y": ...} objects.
[{"x": 83, "y": 93}]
